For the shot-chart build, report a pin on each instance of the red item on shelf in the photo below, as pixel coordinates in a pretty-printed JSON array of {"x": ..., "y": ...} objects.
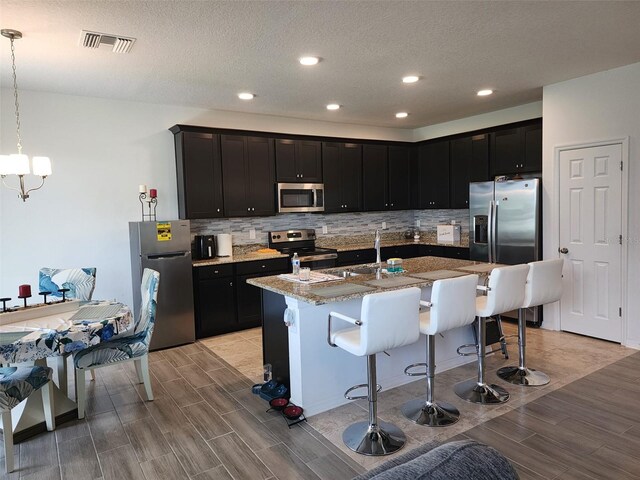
[
  {"x": 24, "y": 291},
  {"x": 153, "y": 193}
]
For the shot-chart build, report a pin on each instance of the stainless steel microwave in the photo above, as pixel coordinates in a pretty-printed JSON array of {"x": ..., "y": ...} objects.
[{"x": 300, "y": 197}]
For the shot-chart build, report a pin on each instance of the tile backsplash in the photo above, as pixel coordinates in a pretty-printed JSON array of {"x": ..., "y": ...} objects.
[{"x": 338, "y": 224}]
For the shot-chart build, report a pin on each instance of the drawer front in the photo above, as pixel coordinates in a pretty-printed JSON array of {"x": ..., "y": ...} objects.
[
  {"x": 356, "y": 257},
  {"x": 275, "y": 265},
  {"x": 432, "y": 251},
  {"x": 401, "y": 251},
  {"x": 457, "y": 252},
  {"x": 214, "y": 271}
]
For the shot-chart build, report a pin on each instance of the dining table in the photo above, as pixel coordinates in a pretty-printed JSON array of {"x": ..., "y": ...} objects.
[{"x": 50, "y": 333}]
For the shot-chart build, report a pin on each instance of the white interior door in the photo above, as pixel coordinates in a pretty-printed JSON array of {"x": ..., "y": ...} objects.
[{"x": 590, "y": 229}]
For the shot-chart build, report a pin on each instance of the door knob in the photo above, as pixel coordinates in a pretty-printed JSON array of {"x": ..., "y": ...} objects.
[{"x": 563, "y": 250}]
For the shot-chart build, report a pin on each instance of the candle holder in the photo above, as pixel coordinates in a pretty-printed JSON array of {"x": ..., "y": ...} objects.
[
  {"x": 63, "y": 291},
  {"x": 44, "y": 294},
  {"x": 151, "y": 207},
  {"x": 25, "y": 299},
  {"x": 4, "y": 304}
]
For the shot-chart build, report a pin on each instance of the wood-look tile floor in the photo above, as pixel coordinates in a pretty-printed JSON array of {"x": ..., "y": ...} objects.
[{"x": 206, "y": 424}]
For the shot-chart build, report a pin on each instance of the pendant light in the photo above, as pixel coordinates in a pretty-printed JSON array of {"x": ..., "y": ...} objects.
[{"x": 18, "y": 164}]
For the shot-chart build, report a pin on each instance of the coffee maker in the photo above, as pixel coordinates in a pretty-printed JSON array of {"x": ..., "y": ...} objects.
[{"x": 205, "y": 246}]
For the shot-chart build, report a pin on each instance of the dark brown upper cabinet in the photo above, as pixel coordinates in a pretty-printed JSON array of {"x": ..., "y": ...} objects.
[
  {"x": 375, "y": 195},
  {"x": 199, "y": 175},
  {"x": 342, "y": 174},
  {"x": 385, "y": 177},
  {"x": 517, "y": 150},
  {"x": 399, "y": 177},
  {"x": 469, "y": 163},
  {"x": 248, "y": 169},
  {"x": 433, "y": 175},
  {"x": 298, "y": 161}
]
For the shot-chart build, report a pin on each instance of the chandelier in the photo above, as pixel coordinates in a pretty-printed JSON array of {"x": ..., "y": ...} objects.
[{"x": 17, "y": 163}]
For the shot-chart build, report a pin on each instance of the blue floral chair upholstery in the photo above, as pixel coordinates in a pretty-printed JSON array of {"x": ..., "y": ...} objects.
[
  {"x": 16, "y": 384},
  {"x": 79, "y": 281},
  {"x": 134, "y": 347}
]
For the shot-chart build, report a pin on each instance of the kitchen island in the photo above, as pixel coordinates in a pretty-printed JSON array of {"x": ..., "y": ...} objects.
[{"x": 318, "y": 374}]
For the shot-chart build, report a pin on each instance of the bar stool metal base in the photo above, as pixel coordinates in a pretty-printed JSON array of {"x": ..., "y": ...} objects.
[
  {"x": 374, "y": 440},
  {"x": 440, "y": 414},
  {"x": 523, "y": 376},
  {"x": 484, "y": 394}
]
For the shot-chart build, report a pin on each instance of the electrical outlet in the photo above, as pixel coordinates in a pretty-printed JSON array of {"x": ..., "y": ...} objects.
[
  {"x": 252, "y": 233},
  {"x": 417, "y": 223},
  {"x": 384, "y": 225},
  {"x": 324, "y": 229}
]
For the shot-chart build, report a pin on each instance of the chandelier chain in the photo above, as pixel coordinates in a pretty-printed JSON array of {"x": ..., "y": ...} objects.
[{"x": 15, "y": 94}]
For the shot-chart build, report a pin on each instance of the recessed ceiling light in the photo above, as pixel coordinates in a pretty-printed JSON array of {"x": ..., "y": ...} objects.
[
  {"x": 410, "y": 79},
  {"x": 333, "y": 106},
  {"x": 308, "y": 61},
  {"x": 484, "y": 93},
  {"x": 402, "y": 115},
  {"x": 246, "y": 96}
]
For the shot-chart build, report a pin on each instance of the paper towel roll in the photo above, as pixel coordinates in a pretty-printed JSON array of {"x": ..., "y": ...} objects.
[{"x": 224, "y": 245}]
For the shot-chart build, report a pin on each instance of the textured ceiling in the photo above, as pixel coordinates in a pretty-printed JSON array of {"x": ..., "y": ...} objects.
[{"x": 202, "y": 53}]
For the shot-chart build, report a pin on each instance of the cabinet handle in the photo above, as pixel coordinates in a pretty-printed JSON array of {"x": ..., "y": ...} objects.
[
  {"x": 264, "y": 266},
  {"x": 248, "y": 209},
  {"x": 231, "y": 284},
  {"x": 386, "y": 204},
  {"x": 215, "y": 271},
  {"x": 218, "y": 210},
  {"x": 392, "y": 204}
]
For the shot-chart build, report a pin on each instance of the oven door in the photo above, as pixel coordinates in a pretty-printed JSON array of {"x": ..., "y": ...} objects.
[
  {"x": 318, "y": 262},
  {"x": 300, "y": 197}
]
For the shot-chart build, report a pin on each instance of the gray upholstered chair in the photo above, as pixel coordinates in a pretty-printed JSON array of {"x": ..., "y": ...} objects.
[
  {"x": 132, "y": 348},
  {"x": 16, "y": 384}
]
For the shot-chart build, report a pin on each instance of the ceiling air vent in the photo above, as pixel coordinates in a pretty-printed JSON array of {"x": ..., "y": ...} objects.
[{"x": 117, "y": 43}]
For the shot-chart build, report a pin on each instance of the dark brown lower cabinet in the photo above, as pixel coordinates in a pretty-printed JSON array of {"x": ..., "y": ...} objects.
[
  {"x": 215, "y": 302},
  {"x": 225, "y": 302}
]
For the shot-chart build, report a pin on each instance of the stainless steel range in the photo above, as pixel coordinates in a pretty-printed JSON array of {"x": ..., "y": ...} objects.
[{"x": 303, "y": 242}]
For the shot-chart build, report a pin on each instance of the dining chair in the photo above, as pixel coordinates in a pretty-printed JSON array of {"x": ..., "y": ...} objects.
[
  {"x": 133, "y": 348},
  {"x": 80, "y": 282},
  {"x": 16, "y": 384}
]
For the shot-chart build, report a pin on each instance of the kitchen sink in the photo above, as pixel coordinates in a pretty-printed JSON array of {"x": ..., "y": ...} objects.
[{"x": 355, "y": 271}]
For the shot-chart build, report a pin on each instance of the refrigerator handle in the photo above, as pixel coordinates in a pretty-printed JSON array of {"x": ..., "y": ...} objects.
[
  {"x": 157, "y": 256},
  {"x": 495, "y": 232},
  {"x": 490, "y": 232}
]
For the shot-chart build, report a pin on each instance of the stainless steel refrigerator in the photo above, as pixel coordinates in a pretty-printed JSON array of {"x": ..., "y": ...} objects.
[
  {"x": 166, "y": 248},
  {"x": 505, "y": 223}
]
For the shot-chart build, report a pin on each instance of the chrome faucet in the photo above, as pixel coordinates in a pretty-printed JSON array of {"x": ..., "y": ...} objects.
[{"x": 376, "y": 245}]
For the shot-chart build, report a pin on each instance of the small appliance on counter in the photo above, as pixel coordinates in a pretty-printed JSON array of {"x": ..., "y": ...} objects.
[
  {"x": 205, "y": 246},
  {"x": 224, "y": 245},
  {"x": 448, "y": 233}
]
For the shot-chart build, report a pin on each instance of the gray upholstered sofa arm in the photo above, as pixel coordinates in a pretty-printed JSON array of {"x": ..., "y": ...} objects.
[{"x": 462, "y": 460}]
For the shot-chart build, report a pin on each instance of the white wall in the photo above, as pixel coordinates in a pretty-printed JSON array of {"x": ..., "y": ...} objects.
[
  {"x": 596, "y": 107},
  {"x": 477, "y": 122},
  {"x": 101, "y": 150}
]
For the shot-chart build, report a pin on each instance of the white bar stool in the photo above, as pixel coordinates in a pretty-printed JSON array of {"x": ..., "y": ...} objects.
[
  {"x": 452, "y": 305},
  {"x": 504, "y": 293},
  {"x": 544, "y": 285},
  {"x": 387, "y": 320}
]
